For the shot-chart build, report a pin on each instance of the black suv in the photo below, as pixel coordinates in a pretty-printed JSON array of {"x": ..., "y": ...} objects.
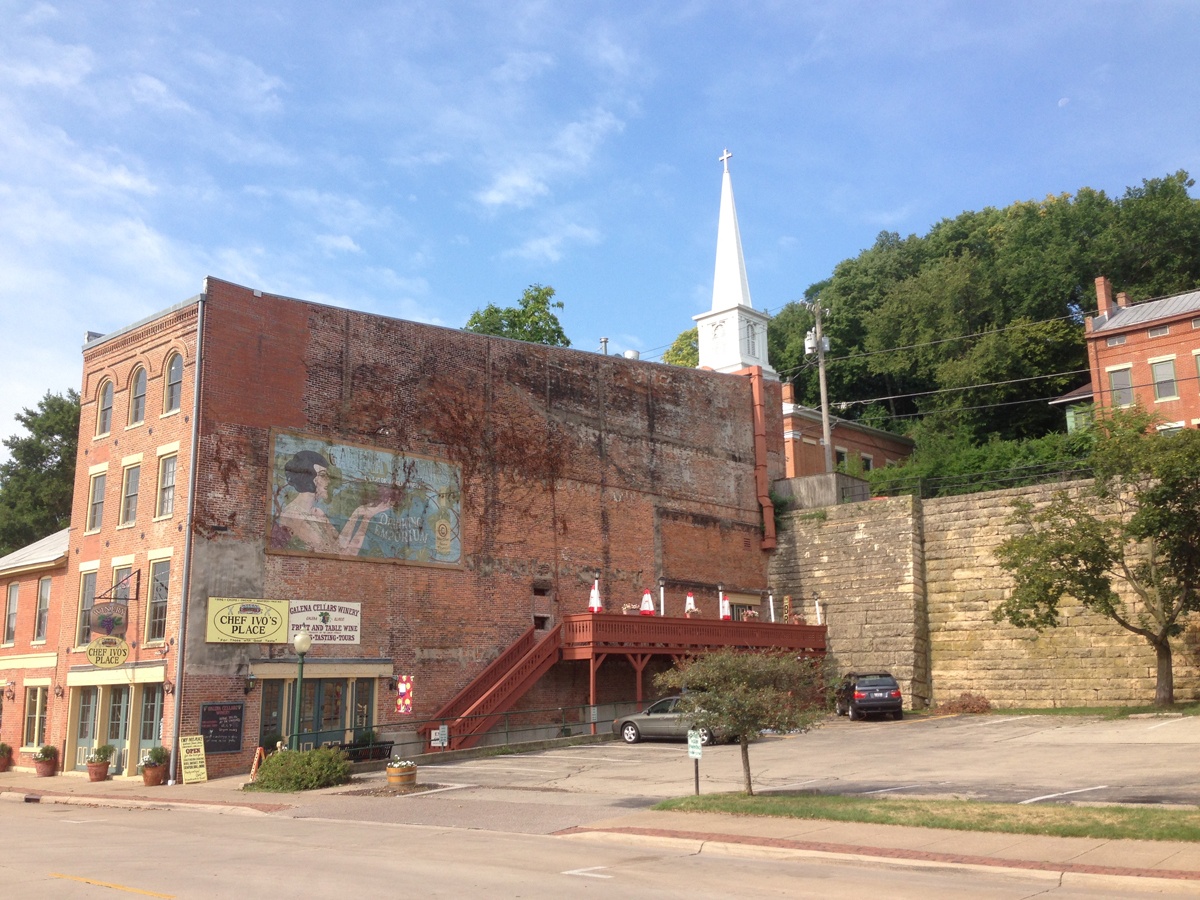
[{"x": 876, "y": 692}]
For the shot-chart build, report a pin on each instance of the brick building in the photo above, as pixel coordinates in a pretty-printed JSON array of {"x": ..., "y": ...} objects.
[
  {"x": 856, "y": 447},
  {"x": 1147, "y": 354},
  {"x": 418, "y": 498}
]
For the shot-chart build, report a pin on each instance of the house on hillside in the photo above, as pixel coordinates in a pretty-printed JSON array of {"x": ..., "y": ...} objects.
[{"x": 1147, "y": 354}]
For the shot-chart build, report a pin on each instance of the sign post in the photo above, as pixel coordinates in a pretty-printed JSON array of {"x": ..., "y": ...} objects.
[{"x": 695, "y": 751}]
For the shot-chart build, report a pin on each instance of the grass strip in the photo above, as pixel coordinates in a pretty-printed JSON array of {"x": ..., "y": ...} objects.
[{"x": 1102, "y": 822}]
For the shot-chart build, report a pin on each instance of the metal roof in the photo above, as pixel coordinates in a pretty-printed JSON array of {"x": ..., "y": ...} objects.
[
  {"x": 1083, "y": 392},
  {"x": 1149, "y": 311},
  {"x": 40, "y": 553}
]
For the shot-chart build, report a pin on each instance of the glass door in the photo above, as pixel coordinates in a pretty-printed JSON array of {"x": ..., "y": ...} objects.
[
  {"x": 152, "y": 712},
  {"x": 118, "y": 725},
  {"x": 270, "y": 729},
  {"x": 85, "y": 731}
]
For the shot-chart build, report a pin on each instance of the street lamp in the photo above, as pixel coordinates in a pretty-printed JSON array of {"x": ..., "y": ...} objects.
[{"x": 301, "y": 642}]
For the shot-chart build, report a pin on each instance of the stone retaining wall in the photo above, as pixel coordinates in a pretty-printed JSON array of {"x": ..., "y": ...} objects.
[{"x": 909, "y": 586}]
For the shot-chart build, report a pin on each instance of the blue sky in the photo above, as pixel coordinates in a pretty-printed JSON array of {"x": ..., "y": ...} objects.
[{"x": 422, "y": 159}]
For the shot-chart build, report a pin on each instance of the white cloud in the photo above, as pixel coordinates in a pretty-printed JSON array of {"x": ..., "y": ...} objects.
[
  {"x": 550, "y": 247},
  {"x": 43, "y": 63},
  {"x": 337, "y": 243},
  {"x": 513, "y": 188}
]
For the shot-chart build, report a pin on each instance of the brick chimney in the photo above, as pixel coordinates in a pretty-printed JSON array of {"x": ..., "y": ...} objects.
[
  {"x": 1123, "y": 300},
  {"x": 1104, "y": 296},
  {"x": 789, "y": 392}
]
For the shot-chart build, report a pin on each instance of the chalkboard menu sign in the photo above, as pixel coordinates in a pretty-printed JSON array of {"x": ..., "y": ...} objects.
[{"x": 221, "y": 726}]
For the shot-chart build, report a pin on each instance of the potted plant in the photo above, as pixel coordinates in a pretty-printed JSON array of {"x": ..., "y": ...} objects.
[
  {"x": 5, "y": 756},
  {"x": 154, "y": 766},
  {"x": 98, "y": 762},
  {"x": 401, "y": 771},
  {"x": 45, "y": 760}
]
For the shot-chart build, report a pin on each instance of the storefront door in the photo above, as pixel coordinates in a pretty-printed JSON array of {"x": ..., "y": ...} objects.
[
  {"x": 118, "y": 725},
  {"x": 85, "y": 732},
  {"x": 150, "y": 734}
]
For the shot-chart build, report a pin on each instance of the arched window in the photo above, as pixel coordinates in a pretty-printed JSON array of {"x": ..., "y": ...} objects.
[
  {"x": 104, "y": 413},
  {"x": 174, "y": 392},
  {"x": 137, "y": 397}
]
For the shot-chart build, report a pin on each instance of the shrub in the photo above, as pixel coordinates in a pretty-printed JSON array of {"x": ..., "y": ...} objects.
[
  {"x": 156, "y": 756},
  {"x": 47, "y": 752},
  {"x": 966, "y": 703},
  {"x": 5, "y": 750},
  {"x": 303, "y": 770},
  {"x": 102, "y": 754}
]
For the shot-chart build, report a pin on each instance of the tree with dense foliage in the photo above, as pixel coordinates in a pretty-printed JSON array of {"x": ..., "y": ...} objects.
[
  {"x": 685, "y": 350},
  {"x": 38, "y": 480},
  {"x": 532, "y": 320},
  {"x": 738, "y": 694},
  {"x": 1137, "y": 528},
  {"x": 980, "y": 319}
]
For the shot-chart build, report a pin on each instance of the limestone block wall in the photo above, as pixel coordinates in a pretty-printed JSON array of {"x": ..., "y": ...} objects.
[
  {"x": 863, "y": 562},
  {"x": 1087, "y": 661},
  {"x": 909, "y": 586}
]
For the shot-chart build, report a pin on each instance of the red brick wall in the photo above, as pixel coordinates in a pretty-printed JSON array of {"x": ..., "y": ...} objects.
[
  {"x": 571, "y": 462},
  {"x": 1137, "y": 350}
]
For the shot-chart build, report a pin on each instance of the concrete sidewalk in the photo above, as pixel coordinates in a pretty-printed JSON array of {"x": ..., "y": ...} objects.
[{"x": 1151, "y": 865}]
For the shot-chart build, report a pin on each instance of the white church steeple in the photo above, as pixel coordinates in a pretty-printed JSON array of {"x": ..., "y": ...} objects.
[{"x": 733, "y": 335}]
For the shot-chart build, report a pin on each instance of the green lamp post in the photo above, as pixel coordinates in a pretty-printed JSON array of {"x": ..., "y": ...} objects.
[{"x": 301, "y": 642}]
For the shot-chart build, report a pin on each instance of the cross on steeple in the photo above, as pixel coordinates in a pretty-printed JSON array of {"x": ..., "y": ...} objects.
[{"x": 725, "y": 158}]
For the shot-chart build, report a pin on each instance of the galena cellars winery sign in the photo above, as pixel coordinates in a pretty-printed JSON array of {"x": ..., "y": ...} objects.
[{"x": 244, "y": 621}]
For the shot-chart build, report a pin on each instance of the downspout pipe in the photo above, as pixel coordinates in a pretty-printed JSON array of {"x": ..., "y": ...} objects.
[
  {"x": 193, "y": 475},
  {"x": 762, "y": 484}
]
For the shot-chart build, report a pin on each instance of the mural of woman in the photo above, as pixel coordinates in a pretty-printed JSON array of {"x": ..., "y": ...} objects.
[{"x": 307, "y": 523}]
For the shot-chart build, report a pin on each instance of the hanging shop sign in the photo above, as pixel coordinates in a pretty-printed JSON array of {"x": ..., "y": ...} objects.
[
  {"x": 328, "y": 623},
  {"x": 108, "y": 652},
  {"x": 233, "y": 620},
  {"x": 109, "y": 619}
]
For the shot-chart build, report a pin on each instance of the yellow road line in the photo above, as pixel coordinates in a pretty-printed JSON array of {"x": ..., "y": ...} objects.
[{"x": 115, "y": 887}]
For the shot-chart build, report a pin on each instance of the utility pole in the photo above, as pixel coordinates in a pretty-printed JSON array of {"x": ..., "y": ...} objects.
[{"x": 819, "y": 335}]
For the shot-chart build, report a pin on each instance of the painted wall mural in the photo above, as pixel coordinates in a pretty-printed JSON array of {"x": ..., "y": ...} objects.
[{"x": 343, "y": 500}]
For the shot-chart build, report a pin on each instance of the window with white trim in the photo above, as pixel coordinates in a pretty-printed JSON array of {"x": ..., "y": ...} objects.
[
  {"x": 87, "y": 599},
  {"x": 95, "y": 516},
  {"x": 1115, "y": 340},
  {"x": 868, "y": 462},
  {"x": 173, "y": 393},
  {"x": 10, "y": 613},
  {"x": 121, "y": 583},
  {"x": 1120, "y": 384},
  {"x": 137, "y": 397},
  {"x": 42, "y": 618},
  {"x": 104, "y": 410},
  {"x": 156, "y": 613},
  {"x": 1158, "y": 331},
  {"x": 166, "y": 486},
  {"x": 1162, "y": 373},
  {"x": 129, "y": 494},
  {"x": 35, "y": 716}
]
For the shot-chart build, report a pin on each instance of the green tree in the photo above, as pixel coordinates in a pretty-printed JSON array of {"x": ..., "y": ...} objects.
[
  {"x": 1136, "y": 527},
  {"x": 684, "y": 350},
  {"x": 738, "y": 694},
  {"x": 532, "y": 320},
  {"x": 38, "y": 480}
]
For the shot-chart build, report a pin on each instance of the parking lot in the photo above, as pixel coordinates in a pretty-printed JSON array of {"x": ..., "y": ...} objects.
[{"x": 1008, "y": 758}]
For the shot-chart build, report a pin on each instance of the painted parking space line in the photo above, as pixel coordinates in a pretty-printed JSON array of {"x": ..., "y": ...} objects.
[
  {"x": 1000, "y": 720},
  {"x": 587, "y": 873},
  {"x": 1099, "y": 787},
  {"x": 903, "y": 787},
  {"x": 110, "y": 885},
  {"x": 499, "y": 768},
  {"x": 627, "y": 759},
  {"x": 1168, "y": 722}
]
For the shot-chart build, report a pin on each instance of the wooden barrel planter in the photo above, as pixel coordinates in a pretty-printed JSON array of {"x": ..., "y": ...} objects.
[{"x": 407, "y": 775}]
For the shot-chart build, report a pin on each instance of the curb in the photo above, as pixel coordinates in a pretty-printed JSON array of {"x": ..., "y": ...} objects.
[
  {"x": 749, "y": 847},
  {"x": 117, "y": 803}
]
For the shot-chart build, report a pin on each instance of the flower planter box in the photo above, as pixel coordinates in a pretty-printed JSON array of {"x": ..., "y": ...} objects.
[
  {"x": 5, "y": 762},
  {"x": 97, "y": 771},
  {"x": 153, "y": 776},
  {"x": 402, "y": 776},
  {"x": 45, "y": 767}
]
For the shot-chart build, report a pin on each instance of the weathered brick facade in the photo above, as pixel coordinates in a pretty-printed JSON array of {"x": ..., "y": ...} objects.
[{"x": 572, "y": 464}]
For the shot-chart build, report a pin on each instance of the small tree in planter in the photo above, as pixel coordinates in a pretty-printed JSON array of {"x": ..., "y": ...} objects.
[
  {"x": 154, "y": 766},
  {"x": 98, "y": 762},
  {"x": 45, "y": 760}
]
